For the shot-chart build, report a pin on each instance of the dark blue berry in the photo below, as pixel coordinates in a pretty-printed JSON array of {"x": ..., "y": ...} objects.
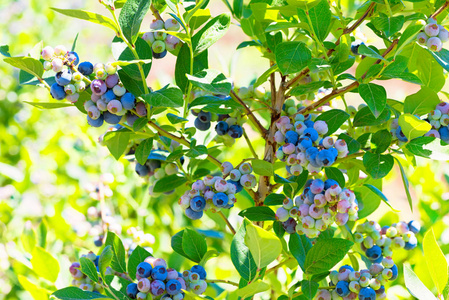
[
  {"x": 173, "y": 287},
  {"x": 194, "y": 215},
  {"x": 64, "y": 77},
  {"x": 57, "y": 91},
  {"x": 374, "y": 253},
  {"x": 220, "y": 199},
  {"x": 111, "y": 118},
  {"x": 201, "y": 126},
  {"x": 131, "y": 290},
  {"x": 198, "y": 203},
  {"x": 367, "y": 293},
  {"x": 95, "y": 123},
  {"x": 142, "y": 170},
  {"x": 204, "y": 116},
  {"x": 86, "y": 68},
  {"x": 235, "y": 131},
  {"x": 159, "y": 55},
  {"x": 159, "y": 273},
  {"x": 342, "y": 289},
  {"x": 237, "y": 184},
  {"x": 200, "y": 271},
  {"x": 73, "y": 57},
  {"x": 355, "y": 47},
  {"x": 291, "y": 137},
  {"x": 144, "y": 269},
  {"x": 222, "y": 128}
]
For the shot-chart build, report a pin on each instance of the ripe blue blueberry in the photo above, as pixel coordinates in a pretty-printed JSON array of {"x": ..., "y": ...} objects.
[
  {"x": 414, "y": 226},
  {"x": 64, "y": 77},
  {"x": 237, "y": 184},
  {"x": 411, "y": 244},
  {"x": 367, "y": 293},
  {"x": 108, "y": 96},
  {"x": 311, "y": 153},
  {"x": 309, "y": 123},
  {"x": 159, "y": 55},
  {"x": 220, "y": 199},
  {"x": 342, "y": 289},
  {"x": 444, "y": 134},
  {"x": 131, "y": 290},
  {"x": 144, "y": 269},
  {"x": 326, "y": 157},
  {"x": 311, "y": 133},
  {"x": 400, "y": 135},
  {"x": 159, "y": 273},
  {"x": 290, "y": 225},
  {"x": 329, "y": 183},
  {"x": 200, "y": 270},
  {"x": 394, "y": 269},
  {"x": 197, "y": 203},
  {"x": 111, "y": 118},
  {"x": 128, "y": 100},
  {"x": 194, "y": 215},
  {"x": 95, "y": 123},
  {"x": 57, "y": 91},
  {"x": 355, "y": 47},
  {"x": 173, "y": 287},
  {"x": 374, "y": 253},
  {"x": 235, "y": 131},
  {"x": 86, "y": 68},
  {"x": 201, "y": 125},
  {"x": 131, "y": 118},
  {"x": 346, "y": 267},
  {"x": 204, "y": 116},
  {"x": 305, "y": 143},
  {"x": 291, "y": 137},
  {"x": 73, "y": 57},
  {"x": 222, "y": 128}
]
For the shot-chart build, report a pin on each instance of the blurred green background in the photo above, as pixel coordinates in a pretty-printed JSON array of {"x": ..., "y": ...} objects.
[{"x": 49, "y": 158}]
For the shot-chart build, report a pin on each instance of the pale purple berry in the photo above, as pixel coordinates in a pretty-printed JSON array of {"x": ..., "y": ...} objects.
[
  {"x": 160, "y": 262},
  {"x": 226, "y": 167},
  {"x": 57, "y": 65},
  {"x": 320, "y": 127},
  {"x": 308, "y": 222},
  {"x": 98, "y": 87},
  {"x": 141, "y": 109},
  {"x": 434, "y": 44},
  {"x": 111, "y": 80},
  {"x": 319, "y": 200},
  {"x": 144, "y": 285},
  {"x": 172, "y": 40},
  {"x": 148, "y": 37},
  {"x": 72, "y": 98},
  {"x": 432, "y": 30},
  {"x": 316, "y": 212},
  {"x": 341, "y": 145},
  {"x": 60, "y": 50},
  {"x": 101, "y": 105},
  {"x": 284, "y": 120},
  {"x": 172, "y": 25},
  {"x": 422, "y": 38},
  {"x": 288, "y": 148},
  {"x": 184, "y": 201},
  {"x": 328, "y": 142},
  {"x": 300, "y": 127},
  {"x": 245, "y": 168},
  {"x": 47, "y": 53},
  {"x": 343, "y": 275},
  {"x": 279, "y": 137},
  {"x": 323, "y": 295},
  {"x": 343, "y": 206},
  {"x": 248, "y": 181},
  {"x": 119, "y": 90},
  {"x": 157, "y": 24},
  {"x": 208, "y": 195},
  {"x": 443, "y": 35},
  {"x": 93, "y": 112},
  {"x": 221, "y": 185},
  {"x": 341, "y": 219},
  {"x": 443, "y": 107},
  {"x": 291, "y": 160},
  {"x": 198, "y": 185},
  {"x": 115, "y": 106},
  {"x": 157, "y": 287},
  {"x": 431, "y": 21},
  {"x": 317, "y": 186},
  {"x": 282, "y": 214}
]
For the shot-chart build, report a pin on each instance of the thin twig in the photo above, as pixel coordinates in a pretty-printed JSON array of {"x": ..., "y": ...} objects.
[
  {"x": 222, "y": 281},
  {"x": 220, "y": 213},
  {"x": 440, "y": 10},
  {"x": 248, "y": 141},
  {"x": 155, "y": 12},
  {"x": 251, "y": 116}
]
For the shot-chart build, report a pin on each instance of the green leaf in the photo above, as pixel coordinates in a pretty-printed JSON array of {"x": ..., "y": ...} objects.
[
  {"x": 364, "y": 117},
  {"x": 207, "y": 100},
  {"x": 369, "y": 52},
  {"x": 325, "y": 254},
  {"x": 265, "y": 246},
  {"x": 27, "y": 64},
  {"x": 258, "y": 213},
  {"x": 143, "y": 150},
  {"x": 253, "y": 288},
  {"x": 262, "y": 167},
  {"x": 375, "y": 96},
  {"x": 388, "y": 25},
  {"x": 353, "y": 145},
  {"x": 194, "y": 245},
  {"x": 88, "y": 268},
  {"x": 129, "y": 63},
  {"x": 139, "y": 255},
  {"x": 422, "y": 102},
  {"x": 165, "y": 97},
  {"x": 35, "y": 291},
  {"x": 238, "y": 6},
  {"x": 131, "y": 17},
  {"x": 44, "y": 264},
  {"x": 335, "y": 174},
  {"x": 424, "y": 65},
  {"x": 442, "y": 57},
  {"x": 133, "y": 85},
  {"x": 118, "y": 262},
  {"x": 210, "y": 33},
  {"x": 292, "y": 57},
  {"x": 436, "y": 261},
  {"x": 168, "y": 183},
  {"x": 320, "y": 19},
  {"x": 75, "y": 293},
  {"x": 406, "y": 185},
  {"x": 416, "y": 146},
  {"x": 174, "y": 119},
  {"x": 274, "y": 199},
  {"x": 378, "y": 165},
  {"x": 412, "y": 127},
  {"x": 307, "y": 88},
  {"x": 415, "y": 286},
  {"x": 200, "y": 17},
  {"x": 334, "y": 118},
  {"x": 117, "y": 142},
  {"x": 309, "y": 288},
  {"x": 28, "y": 238},
  {"x": 299, "y": 246},
  {"x": 211, "y": 81},
  {"x": 105, "y": 260},
  {"x": 4, "y": 50},
  {"x": 381, "y": 140},
  {"x": 241, "y": 256},
  {"x": 200, "y": 62},
  {"x": 380, "y": 195},
  {"x": 88, "y": 16},
  {"x": 49, "y": 105}
]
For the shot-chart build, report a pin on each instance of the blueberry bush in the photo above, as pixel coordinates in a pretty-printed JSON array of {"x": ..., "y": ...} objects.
[{"x": 270, "y": 188}]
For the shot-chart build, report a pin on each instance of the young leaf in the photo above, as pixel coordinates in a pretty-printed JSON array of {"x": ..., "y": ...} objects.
[
  {"x": 406, "y": 185},
  {"x": 165, "y": 97},
  {"x": 88, "y": 16},
  {"x": 139, "y": 254},
  {"x": 416, "y": 146},
  {"x": 335, "y": 174},
  {"x": 320, "y": 17},
  {"x": 258, "y": 213},
  {"x": 210, "y": 33},
  {"x": 194, "y": 245},
  {"x": 378, "y": 165},
  {"x": 422, "y": 102},
  {"x": 49, "y": 105},
  {"x": 88, "y": 268},
  {"x": 28, "y": 238},
  {"x": 309, "y": 288},
  {"x": 436, "y": 261},
  {"x": 117, "y": 141},
  {"x": 375, "y": 97},
  {"x": 265, "y": 246},
  {"x": 211, "y": 81},
  {"x": 253, "y": 288},
  {"x": 381, "y": 140},
  {"x": 412, "y": 127},
  {"x": 105, "y": 260},
  {"x": 299, "y": 245},
  {"x": 415, "y": 286},
  {"x": 169, "y": 183},
  {"x": 174, "y": 119},
  {"x": 35, "y": 291},
  {"x": 274, "y": 199},
  {"x": 131, "y": 17},
  {"x": 370, "y": 52},
  {"x": 325, "y": 254},
  {"x": 72, "y": 293},
  {"x": 27, "y": 64},
  {"x": 292, "y": 57},
  {"x": 118, "y": 262},
  {"x": 380, "y": 195},
  {"x": 143, "y": 150},
  {"x": 262, "y": 167},
  {"x": 334, "y": 118},
  {"x": 44, "y": 264},
  {"x": 388, "y": 25},
  {"x": 365, "y": 117},
  {"x": 200, "y": 62},
  {"x": 241, "y": 256}
]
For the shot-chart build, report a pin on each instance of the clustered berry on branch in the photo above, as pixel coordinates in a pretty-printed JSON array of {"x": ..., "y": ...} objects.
[{"x": 433, "y": 36}]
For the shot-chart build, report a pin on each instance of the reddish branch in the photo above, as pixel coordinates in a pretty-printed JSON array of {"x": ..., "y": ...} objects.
[
  {"x": 250, "y": 114},
  {"x": 440, "y": 10}
]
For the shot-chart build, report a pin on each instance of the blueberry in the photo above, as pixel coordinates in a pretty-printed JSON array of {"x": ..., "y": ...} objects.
[
  {"x": 291, "y": 137},
  {"x": 73, "y": 57},
  {"x": 204, "y": 116},
  {"x": 220, "y": 199},
  {"x": 144, "y": 269},
  {"x": 111, "y": 80},
  {"x": 157, "y": 287},
  {"x": 111, "y": 118},
  {"x": 194, "y": 215},
  {"x": 198, "y": 203},
  {"x": 342, "y": 288},
  {"x": 329, "y": 183},
  {"x": 305, "y": 143},
  {"x": 414, "y": 226},
  {"x": 154, "y": 164},
  {"x": 159, "y": 273},
  {"x": 57, "y": 91},
  {"x": 346, "y": 267},
  {"x": 367, "y": 293},
  {"x": 200, "y": 270},
  {"x": 108, "y": 96},
  {"x": 131, "y": 118},
  {"x": 374, "y": 253},
  {"x": 98, "y": 87},
  {"x": 221, "y": 128},
  {"x": 131, "y": 290},
  {"x": 173, "y": 287},
  {"x": 411, "y": 244},
  {"x": 309, "y": 124},
  {"x": 401, "y": 136},
  {"x": 201, "y": 125},
  {"x": 95, "y": 123},
  {"x": 311, "y": 133},
  {"x": 159, "y": 55},
  {"x": 86, "y": 68},
  {"x": 290, "y": 225},
  {"x": 128, "y": 100},
  {"x": 64, "y": 77},
  {"x": 311, "y": 153},
  {"x": 98, "y": 241},
  {"x": 444, "y": 134},
  {"x": 355, "y": 47},
  {"x": 237, "y": 184},
  {"x": 326, "y": 157},
  {"x": 235, "y": 131},
  {"x": 394, "y": 269}
]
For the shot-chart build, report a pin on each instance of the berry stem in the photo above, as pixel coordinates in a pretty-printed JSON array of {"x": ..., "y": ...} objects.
[
  {"x": 220, "y": 213},
  {"x": 44, "y": 83},
  {"x": 155, "y": 12},
  {"x": 251, "y": 116},
  {"x": 282, "y": 263},
  {"x": 222, "y": 281},
  {"x": 248, "y": 141}
]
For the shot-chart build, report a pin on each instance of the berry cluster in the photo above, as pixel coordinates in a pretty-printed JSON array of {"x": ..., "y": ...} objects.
[
  {"x": 160, "y": 41},
  {"x": 215, "y": 192},
  {"x": 81, "y": 280},
  {"x": 379, "y": 242},
  {"x": 154, "y": 278},
  {"x": 321, "y": 204},
  {"x": 246, "y": 93},
  {"x": 433, "y": 35},
  {"x": 304, "y": 144}
]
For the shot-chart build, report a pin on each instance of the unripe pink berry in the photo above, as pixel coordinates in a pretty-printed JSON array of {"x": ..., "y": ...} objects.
[
  {"x": 144, "y": 285},
  {"x": 341, "y": 219},
  {"x": 282, "y": 214},
  {"x": 221, "y": 185},
  {"x": 279, "y": 137},
  {"x": 57, "y": 65},
  {"x": 115, "y": 106},
  {"x": 226, "y": 168},
  {"x": 288, "y": 148},
  {"x": 316, "y": 212},
  {"x": 157, "y": 24},
  {"x": 98, "y": 87},
  {"x": 320, "y": 127},
  {"x": 304, "y": 210},
  {"x": 328, "y": 142},
  {"x": 443, "y": 107},
  {"x": 60, "y": 50},
  {"x": 47, "y": 53}
]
